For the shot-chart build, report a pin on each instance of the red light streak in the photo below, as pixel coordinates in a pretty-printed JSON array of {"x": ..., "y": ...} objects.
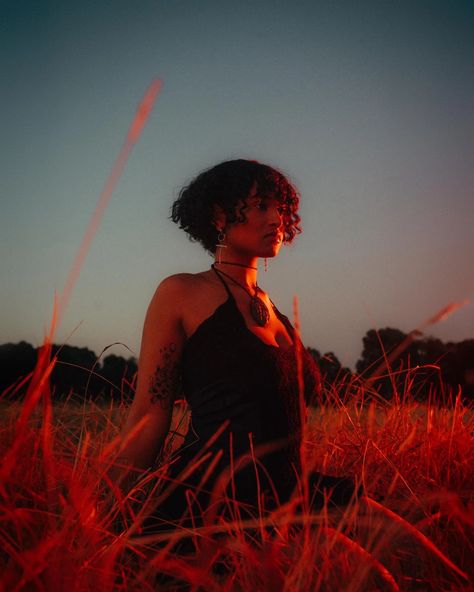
[{"x": 133, "y": 134}]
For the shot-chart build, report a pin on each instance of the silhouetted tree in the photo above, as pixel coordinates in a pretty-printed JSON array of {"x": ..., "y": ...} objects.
[
  {"x": 375, "y": 344},
  {"x": 460, "y": 365},
  {"x": 120, "y": 374},
  {"x": 332, "y": 371},
  {"x": 72, "y": 371},
  {"x": 16, "y": 361},
  {"x": 424, "y": 363},
  {"x": 315, "y": 353}
]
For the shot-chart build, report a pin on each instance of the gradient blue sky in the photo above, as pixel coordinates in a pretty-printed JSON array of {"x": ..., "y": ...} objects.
[{"x": 367, "y": 106}]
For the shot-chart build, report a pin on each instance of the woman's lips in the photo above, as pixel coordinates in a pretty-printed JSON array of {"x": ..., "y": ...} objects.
[{"x": 275, "y": 238}]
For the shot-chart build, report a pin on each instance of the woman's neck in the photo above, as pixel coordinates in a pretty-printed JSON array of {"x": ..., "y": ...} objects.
[{"x": 243, "y": 270}]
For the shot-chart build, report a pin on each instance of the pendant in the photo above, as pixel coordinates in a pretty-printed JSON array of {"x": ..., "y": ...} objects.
[{"x": 259, "y": 311}]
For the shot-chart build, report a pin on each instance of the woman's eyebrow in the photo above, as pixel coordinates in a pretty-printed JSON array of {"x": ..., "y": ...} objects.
[{"x": 263, "y": 197}]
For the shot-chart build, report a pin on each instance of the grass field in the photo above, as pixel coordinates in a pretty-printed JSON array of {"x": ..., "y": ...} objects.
[{"x": 63, "y": 529}]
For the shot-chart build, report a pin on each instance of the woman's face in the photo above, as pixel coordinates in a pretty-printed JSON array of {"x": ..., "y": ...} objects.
[{"x": 261, "y": 234}]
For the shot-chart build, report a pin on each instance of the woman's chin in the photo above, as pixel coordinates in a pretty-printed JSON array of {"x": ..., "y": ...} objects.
[{"x": 271, "y": 252}]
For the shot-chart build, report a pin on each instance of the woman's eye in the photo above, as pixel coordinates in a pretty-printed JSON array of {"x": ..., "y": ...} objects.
[{"x": 263, "y": 207}]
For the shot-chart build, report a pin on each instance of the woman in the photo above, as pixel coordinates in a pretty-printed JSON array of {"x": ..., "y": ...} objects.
[{"x": 216, "y": 338}]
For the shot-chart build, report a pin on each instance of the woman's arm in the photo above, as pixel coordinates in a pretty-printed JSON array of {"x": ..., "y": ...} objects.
[{"x": 158, "y": 381}]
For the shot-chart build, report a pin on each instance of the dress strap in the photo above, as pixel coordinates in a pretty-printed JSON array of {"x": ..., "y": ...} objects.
[
  {"x": 284, "y": 319},
  {"x": 223, "y": 281}
]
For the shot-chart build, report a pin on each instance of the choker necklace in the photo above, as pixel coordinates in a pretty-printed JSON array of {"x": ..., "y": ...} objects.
[
  {"x": 239, "y": 264},
  {"x": 258, "y": 308}
]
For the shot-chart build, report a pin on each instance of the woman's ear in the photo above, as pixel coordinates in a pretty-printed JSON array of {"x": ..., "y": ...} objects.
[{"x": 219, "y": 217}]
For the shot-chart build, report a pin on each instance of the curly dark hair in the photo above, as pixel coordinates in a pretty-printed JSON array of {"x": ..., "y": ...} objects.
[{"x": 225, "y": 185}]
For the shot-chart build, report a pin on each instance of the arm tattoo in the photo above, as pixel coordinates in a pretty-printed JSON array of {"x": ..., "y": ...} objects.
[{"x": 164, "y": 383}]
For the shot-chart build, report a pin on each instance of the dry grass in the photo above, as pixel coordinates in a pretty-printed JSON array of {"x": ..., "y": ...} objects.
[{"x": 61, "y": 530}]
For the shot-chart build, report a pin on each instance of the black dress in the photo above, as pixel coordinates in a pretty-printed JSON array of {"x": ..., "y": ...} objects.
[{"x": 231, "y": 379}]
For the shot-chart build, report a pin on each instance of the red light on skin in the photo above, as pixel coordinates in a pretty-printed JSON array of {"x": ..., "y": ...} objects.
[{"x": 275, "y": 239}]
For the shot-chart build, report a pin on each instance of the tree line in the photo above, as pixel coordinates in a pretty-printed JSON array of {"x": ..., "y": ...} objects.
[
  {"x": 393, "y": 362},
  {"x": 77, "y": 374},
  {"x": 424, "y": 366}
]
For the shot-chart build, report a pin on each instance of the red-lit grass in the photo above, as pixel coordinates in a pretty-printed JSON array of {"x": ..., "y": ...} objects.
[{"x": 62, "y": 528}]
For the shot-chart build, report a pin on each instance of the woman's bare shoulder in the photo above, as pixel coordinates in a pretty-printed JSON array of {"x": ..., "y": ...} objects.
[
  {"x": 186, "y": 298},
  {"x": 186, "y": 280},
  {"x": 180, "y": 286}
]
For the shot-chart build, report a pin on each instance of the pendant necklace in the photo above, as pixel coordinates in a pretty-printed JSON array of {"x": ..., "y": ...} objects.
[{"x": 258, "y": 308}]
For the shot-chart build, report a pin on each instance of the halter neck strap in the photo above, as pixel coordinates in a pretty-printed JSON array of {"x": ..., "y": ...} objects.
[{"x": 224, "y": 282}]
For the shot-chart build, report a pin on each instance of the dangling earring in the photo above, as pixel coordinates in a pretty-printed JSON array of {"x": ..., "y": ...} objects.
[
  {"x": 265, "y": 262},
  {"x": 220, "y": 244}
]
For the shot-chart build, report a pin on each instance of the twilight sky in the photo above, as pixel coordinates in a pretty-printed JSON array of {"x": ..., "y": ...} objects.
[{"x": 367, "y": 106}]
